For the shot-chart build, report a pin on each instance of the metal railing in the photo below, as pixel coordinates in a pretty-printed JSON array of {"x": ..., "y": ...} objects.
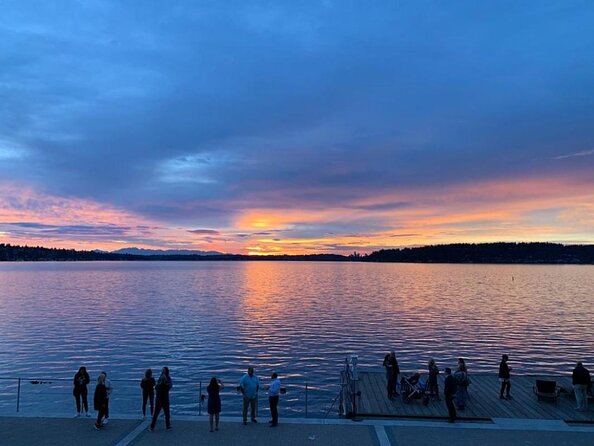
[{"x": 188, "y": 397}]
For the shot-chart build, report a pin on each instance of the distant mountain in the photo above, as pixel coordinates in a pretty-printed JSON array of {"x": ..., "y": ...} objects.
[{"x": 165, "y": 252}]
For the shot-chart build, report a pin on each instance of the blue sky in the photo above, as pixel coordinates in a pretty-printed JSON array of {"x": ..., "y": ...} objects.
[{"x": 295, "y": 126}]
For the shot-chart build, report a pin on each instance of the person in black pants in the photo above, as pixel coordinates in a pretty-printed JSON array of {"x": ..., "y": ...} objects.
[
  {"x": 80, "y": 392},
  {"x": 504, "y": 378},
  {"x": 163, "y": 387},
  {"x": 148, "y": 391},
  {"x": 449, "y": 392},
  {"x": 100, "y": 400},
  {"x": 273, "y": 397}
]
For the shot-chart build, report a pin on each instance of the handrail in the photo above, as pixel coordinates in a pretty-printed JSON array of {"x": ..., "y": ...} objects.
[{"x": 301, "y": 389}]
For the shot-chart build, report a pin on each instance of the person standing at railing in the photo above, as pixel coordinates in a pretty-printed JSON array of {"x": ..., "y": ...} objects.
[
  {"x": 80, "y": 391},
  {"x": 214, "y": 401},
  {"x": 148, "y": 392},
  {"x": 100, "y": 400},
  {"x": 164, "y": 385},
  {"x": 249, "y": 386},
  {"x": 109, "y": 389},
  {"x": 273, "y": 398}
]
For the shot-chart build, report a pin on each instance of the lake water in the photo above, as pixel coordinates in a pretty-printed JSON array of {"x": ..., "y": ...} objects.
[{"x": 300, "y": 319}]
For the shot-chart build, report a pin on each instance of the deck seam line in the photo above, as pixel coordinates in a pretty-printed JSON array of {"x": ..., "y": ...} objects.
[
  {"x": 382, "y": 435},
  {"x": 134, "y": 434}
]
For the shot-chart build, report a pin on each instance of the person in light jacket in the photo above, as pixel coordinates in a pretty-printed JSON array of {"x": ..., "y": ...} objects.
[
  {"x": 273, "y": 398},
  {"x": 249, "y": 386}
]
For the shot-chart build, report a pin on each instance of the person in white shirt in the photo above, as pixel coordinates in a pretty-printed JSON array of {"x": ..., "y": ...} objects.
[{"x": 273, "y": 397}]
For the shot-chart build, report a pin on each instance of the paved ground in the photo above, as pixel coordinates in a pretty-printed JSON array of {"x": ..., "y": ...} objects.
[{"x": 19, "y": 431}]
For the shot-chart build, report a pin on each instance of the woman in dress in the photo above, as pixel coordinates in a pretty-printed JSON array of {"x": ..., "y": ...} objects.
[
  {"x": 214, "y": 401},
  {"x": 148, "y": 391}
]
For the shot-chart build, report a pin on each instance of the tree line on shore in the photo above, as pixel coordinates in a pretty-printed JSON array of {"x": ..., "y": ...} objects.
[{"x": 525, "y": 253}]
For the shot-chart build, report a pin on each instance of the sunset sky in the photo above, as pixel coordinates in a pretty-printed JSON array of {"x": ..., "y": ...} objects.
[{"x": 295, "y": 126}]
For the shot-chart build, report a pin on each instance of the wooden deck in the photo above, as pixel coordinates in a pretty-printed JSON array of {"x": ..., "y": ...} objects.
[{"x": 484, "y": 402}]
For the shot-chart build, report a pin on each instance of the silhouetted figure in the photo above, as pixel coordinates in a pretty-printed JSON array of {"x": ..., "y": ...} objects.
[
  {"x": 433, "y": 386},
  {"x": 214, "y": 401},
  {"x": 462, "y": 382},
  {"x": 505, "y": 378},
  {"x": 581, "y": 381},
  {"x": 162, "y": 388},
  {"x": 100, "y": 400},
  {"x": 449, "y": 392},
  {"x": 394, "y": 371},
  {"x": 109, "y": 389},
  {"x": 249, "y": 386},
  {"x": 80, "y": 391},
  {"x": 273, "y": 398},
  {"x": 148, "y": 391}
]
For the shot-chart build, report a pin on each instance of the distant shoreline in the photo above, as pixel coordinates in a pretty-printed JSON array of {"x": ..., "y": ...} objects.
[{"x": 534, "y": 253}]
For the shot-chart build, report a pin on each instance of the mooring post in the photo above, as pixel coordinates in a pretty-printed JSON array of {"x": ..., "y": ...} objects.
[
  {"x": 19, "y": 395},
  {"x": 200, "y": 399},
  {"x": 305, "y": 399}
]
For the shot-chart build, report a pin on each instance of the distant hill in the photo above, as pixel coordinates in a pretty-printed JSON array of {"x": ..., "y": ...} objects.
[
  {"x": 528, "y": 253},
  {"x": 165, "y": 252},
  {"x": 525, "y": 253}
]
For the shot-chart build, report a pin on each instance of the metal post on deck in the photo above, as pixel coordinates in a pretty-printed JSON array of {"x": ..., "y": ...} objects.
[
  {"x": 305, "y": 399},
  {"x": 19, "y": 395},
  {"x": 200, "y": 399}
]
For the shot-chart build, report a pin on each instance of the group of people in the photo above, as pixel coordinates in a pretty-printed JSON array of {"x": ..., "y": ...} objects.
[
  {"x": 456, "y": 383},
  {"x": 155, "y": 393}
]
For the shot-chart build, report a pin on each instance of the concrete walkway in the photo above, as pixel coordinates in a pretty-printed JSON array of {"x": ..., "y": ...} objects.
[{"x": 19, "y": 431}]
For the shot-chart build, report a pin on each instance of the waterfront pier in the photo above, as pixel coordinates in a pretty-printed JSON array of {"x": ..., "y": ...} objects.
[{"x": 371, "y": 400}]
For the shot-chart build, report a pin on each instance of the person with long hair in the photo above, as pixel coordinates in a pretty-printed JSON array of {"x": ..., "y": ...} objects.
[
  {"x": 80, "y": 391},
  {"x": 433, "y": 386},
  {"x": 100, "y": 400},
  {"x": 462, "y": 381},
  {"x": 162, "y": 388},
  {"x": 214, "y": 402},
  {"x": 148, "y": 391}
]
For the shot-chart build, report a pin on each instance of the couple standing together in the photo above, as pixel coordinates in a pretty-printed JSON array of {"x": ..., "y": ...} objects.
[{"x": 249, "y": 386}]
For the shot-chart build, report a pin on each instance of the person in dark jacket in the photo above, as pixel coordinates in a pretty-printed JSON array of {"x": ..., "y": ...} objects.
[
  {"x": 100, "y": 400},
  {"x": 504, "y": 378},
  {"x": 581, "y": 381},
  {"x": 80, "y": 391},
  {"x": 163, "y": 387},
  {"x": 394, "y": 371},
  {"x": 148, "y": 391},
  {"x": 449, "y": 393},
  {"x": 433, "y": 386},
  {"x": 214, "y": 401}
]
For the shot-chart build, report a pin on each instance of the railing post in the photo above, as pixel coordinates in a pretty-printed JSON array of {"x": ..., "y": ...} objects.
[
  {"x": 200, "y": 399},
  {"x": 19, "y": 395},
  {"x": 305, "y": 399}
]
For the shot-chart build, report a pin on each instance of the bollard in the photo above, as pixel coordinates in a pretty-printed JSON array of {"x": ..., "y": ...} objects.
[
  {"x": 200, "y": 399},
  {"x": 19, "y": 395},
  {"x": 305, "y": 399}
]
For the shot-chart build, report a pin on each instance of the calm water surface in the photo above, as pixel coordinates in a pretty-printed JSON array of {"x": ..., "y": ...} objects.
[{"x": 298, "y": 318}]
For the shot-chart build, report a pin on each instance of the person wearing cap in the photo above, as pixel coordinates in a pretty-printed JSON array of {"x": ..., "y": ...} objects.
[
  {"x": 504, "y": 378},
  {"x": 249, "y": 386}
]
